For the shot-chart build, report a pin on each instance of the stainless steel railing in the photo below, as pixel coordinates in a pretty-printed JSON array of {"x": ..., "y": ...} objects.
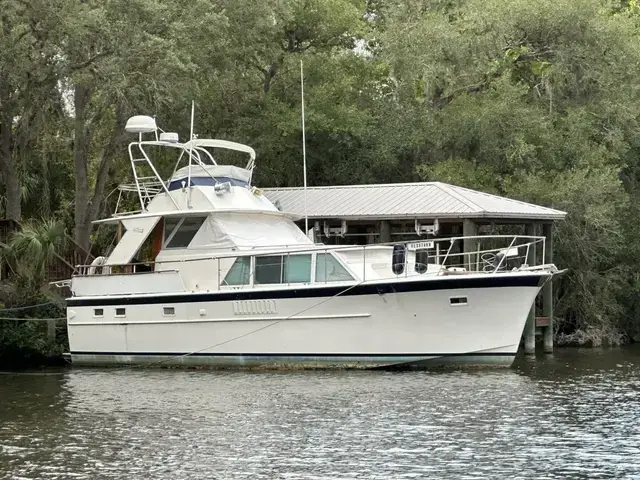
[{"x": 488, "y": 254}]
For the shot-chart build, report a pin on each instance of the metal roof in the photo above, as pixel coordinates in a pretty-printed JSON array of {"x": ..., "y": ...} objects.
[{"x": 426, "y": 200}]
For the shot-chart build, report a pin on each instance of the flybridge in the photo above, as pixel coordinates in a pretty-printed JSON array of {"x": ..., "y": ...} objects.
[{"x": 196, "y": 164}]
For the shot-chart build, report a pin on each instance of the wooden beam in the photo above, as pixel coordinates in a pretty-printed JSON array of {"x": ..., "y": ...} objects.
[
  {"x": 469, "y": 229},
  {"x": 547, "y": 291},
  {"x": 385, "y": 231},
  {"x": 530, "y": 327}
]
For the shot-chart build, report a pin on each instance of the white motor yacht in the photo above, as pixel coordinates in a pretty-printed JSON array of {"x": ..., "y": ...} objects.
[{"x": 208, "y": 272}]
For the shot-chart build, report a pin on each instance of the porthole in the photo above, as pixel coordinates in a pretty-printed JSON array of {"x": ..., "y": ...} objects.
[
  {"x": 121, "y": 312},
  {"x": 169, "y": 311},
  {"x": 458, "y": 301},
  {"x": 98, "y": 312}
]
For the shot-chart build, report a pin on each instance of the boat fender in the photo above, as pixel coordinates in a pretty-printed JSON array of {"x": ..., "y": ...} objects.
[
  {"x": 398, "y": 258},
  {"x": 97, "y": 266},
  {"x": 496, "y": 261},
  {"x": 422, "y": 261}
]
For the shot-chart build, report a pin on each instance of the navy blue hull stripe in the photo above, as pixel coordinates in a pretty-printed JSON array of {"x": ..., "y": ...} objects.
[{"x": 446, "y": 283}]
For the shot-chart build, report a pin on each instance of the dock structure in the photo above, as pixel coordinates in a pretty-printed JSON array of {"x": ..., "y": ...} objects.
[{"x": 386, "y": 213}]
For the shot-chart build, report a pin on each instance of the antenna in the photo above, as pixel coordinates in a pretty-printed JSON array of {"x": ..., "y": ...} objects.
[
  {"x": 304, "y": 153},
  {"x": 190, "y": 155}
]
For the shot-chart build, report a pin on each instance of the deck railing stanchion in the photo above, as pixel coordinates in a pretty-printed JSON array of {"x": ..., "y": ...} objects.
[{"x": 364, "y": 263}]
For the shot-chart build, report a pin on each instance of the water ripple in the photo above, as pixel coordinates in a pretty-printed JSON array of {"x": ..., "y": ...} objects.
[{"x": 574, "y": 415}]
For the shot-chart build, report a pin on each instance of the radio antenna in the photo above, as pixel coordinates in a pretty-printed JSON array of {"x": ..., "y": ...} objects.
[{"x": 304, "y": 153}]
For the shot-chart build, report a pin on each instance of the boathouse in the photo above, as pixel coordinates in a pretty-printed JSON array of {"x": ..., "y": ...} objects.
[{"x": 364, "y": 214}]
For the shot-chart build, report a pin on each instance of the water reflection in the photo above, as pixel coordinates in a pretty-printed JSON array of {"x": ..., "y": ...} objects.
[{"x": 574, "y": 414}]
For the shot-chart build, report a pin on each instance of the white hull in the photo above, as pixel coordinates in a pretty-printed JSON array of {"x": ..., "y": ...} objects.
[{"x": 373, "y": 325}]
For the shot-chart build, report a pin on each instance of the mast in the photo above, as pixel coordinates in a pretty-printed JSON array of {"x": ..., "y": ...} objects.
[
  {"x": 190, "y": 155},
  {"x": 304, "y": 153}
]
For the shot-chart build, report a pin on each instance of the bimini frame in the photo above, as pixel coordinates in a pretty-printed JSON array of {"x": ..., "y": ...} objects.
[{"x": 148, "y": 186}]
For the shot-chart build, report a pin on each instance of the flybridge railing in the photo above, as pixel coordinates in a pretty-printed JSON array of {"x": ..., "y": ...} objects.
[
  {"x": 147, "y": 186},
  {"x": 443, "y": 256}
]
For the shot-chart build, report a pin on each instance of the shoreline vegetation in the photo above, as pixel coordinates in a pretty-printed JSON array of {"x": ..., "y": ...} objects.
[{"x": 538, "y": 101}]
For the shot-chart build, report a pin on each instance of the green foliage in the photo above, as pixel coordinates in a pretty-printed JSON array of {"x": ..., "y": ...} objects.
[
  {"x": 539, "y": 101},
  {"x": 31, "y": 249},
  {"x": 24, "y": 343},
  {"x": 535, "y": 100}
]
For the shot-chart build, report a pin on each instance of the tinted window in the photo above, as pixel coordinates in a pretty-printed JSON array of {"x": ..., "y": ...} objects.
[
  {"x": 239, "y": 272},
  {"x": 297, "y": 269},
  {"x": 170, "y": 223},
  {"x": 268, "y": 270},
  {"x": 185, "y": 233},
  {"x": 328, "y": 269}
]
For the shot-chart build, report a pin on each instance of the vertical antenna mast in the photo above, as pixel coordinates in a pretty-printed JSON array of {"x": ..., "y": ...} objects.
[
  {"x": 190, "y": 155},
  {"x": 304, "y": 153}
]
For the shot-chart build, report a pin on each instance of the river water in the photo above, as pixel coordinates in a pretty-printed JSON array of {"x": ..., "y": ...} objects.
[{"x": 575, "y": 414}]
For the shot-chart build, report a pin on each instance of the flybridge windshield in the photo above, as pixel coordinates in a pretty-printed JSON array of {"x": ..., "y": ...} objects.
[{"x": 209, "y": 175}]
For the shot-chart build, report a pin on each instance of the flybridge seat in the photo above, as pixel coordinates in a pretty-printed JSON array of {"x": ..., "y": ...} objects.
[{"x": 209, "y": 175}]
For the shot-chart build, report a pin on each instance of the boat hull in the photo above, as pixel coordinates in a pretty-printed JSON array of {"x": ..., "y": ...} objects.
[{"x": 419, "y": 324}]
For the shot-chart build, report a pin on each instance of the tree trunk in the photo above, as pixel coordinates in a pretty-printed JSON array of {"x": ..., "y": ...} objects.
[
  {"x": 80, "y": 153},
  {"x": 109, "y": 154},
  {"x": 7, "y": 163},
  {"x": 87, "y": 207},
  {"x": 13, "y": 191}
]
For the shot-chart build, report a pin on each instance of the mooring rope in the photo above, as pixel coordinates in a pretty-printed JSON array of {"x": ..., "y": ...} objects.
[
  {"x": 27, "y": 307},
  {"x": 38, "y": 319},
  {"x": 16, "y": 319}
]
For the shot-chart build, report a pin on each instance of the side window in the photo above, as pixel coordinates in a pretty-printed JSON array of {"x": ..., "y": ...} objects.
[
  {"x": 170, "y": 223},
  {"x": 239, "y": 273},
  {"x": 268, "y": 270},
  {"x": 328, "y": 269},
  {"x": 297, "y": 269},
  {"x": 184, "y": 232}
]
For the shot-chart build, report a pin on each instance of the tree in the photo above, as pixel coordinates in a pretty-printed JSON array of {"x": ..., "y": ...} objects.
[
  {"x": 28, "y": 77},
  {"x": 31, "y": 250},
  {"x": 535, "y": 101}
]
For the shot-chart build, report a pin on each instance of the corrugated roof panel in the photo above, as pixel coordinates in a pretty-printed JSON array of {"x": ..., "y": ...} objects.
[{"x": 408, "y": 200}]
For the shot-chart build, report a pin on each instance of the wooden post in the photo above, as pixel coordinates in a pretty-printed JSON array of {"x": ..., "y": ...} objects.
[
  {"x": 385, "y": 231},
  {"x": 547, "y": 291},
  {"x": 530, "y": 327},
  {"x": 469, "y": 229}
]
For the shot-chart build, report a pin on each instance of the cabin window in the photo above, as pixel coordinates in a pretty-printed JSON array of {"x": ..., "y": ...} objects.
[
  {"x": 121, "y": 312},
  {"x": 328, "y": 269},
  {"x": 170, "y": 224},
  {"x": 98, "y": 312},
  {"x": 268, "y": 270},
  {"x": 168, "y": 311},
  {"x": 297, "y": 269},
  {"x": 283, "y": 269},
  {"x": 183, "y": 232},
  {"x": 239, "y": 273}
]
